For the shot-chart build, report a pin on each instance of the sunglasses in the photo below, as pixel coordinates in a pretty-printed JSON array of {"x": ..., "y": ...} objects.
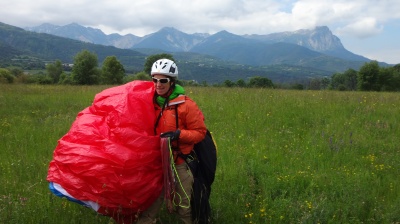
[{"x": 163, "y": 80}]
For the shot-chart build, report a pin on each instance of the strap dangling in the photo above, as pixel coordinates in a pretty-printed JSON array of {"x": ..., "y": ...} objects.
[{"x": 160, "y": 114}]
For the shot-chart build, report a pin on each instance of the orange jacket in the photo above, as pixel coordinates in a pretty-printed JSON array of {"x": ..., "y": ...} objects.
[{"x": 190, "y": 122}]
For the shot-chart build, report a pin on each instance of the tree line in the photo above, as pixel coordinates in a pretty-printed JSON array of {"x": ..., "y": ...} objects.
[
  {"x": 370, "y": 77},
  {"x": 85, "y": 71}
]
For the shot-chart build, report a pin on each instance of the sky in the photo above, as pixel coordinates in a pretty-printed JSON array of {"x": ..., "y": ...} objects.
[{"x": 370, "y": 28}]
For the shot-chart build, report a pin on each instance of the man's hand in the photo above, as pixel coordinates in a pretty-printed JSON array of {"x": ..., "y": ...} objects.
[{"x": 172, "y": 135}]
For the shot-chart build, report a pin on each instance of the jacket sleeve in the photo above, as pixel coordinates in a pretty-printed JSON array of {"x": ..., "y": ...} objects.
[{"x": 195, "y": 128}]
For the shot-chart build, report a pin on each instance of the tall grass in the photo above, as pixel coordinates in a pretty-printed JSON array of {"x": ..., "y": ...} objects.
[{"x": 283, "y": 156}]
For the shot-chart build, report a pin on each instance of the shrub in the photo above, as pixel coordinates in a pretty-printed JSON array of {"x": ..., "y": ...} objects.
[{"x": 6, "y": 76}]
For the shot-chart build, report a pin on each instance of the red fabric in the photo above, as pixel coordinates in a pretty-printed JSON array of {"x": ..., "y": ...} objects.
[
  {"x": 169, "y": 180},
  {"x": 110, "y": 155}
]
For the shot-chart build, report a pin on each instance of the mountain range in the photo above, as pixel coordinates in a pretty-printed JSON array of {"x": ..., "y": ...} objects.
[
  {"x": 170, "y": 39},
  {"x": 204, "y": 57}
]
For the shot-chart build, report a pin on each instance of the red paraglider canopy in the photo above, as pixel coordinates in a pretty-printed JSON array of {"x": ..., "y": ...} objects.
[{"x": 110, "y": 154}]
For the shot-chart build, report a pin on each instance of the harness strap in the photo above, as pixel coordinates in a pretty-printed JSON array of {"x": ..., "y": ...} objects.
[
  {"x": 177, "y": 124},
  {"x": 159, "y": 115}
]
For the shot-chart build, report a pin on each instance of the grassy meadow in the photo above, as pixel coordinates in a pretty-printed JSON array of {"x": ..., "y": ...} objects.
[{"x": 284, "y": 156}]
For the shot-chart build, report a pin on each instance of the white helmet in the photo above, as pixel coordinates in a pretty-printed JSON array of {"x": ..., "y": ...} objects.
[{"x": 165, "y": 67}]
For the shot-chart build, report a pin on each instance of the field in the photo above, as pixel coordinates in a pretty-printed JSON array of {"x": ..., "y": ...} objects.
[{"x": 285, "y": 156}]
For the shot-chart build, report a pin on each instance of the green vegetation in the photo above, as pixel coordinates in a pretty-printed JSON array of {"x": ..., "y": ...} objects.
[
  {"x": 285, "y": 156},
  {"x": 370, "y": 77},
  {"x": 6, "y": 76},
  {"x": 33, "y": 51},
  {"x": 112, "y": 71},
  {"x": 85, "y": 71},
  {"x": 30, "y": 50}
]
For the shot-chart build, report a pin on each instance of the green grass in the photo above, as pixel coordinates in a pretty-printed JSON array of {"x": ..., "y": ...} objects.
[{"x": 284, "y": 156}]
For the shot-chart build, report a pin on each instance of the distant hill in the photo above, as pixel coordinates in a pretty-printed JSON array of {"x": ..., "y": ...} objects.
[
  {"x": 169, "y": 39},
  {"x": 87, "y": 34},
  {"x": 49, "y": 48},
  {"x": 231, "y": 47},
  {"x": 201, "y": 57}
]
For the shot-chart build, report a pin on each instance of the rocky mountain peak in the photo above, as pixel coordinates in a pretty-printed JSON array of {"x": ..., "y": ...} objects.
[{"x": 321, "y": 39}]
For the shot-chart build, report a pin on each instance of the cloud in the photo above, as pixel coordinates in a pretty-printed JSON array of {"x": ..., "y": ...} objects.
[
  {"x": 356, "y": 21},
  {"x": 363, "y": 28},
  {"x": 360, "y": 18}
]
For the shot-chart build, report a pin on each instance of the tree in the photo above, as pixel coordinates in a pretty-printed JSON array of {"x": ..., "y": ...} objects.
[
  {"x": 229, "y": 83},
  {"x": 260, "y": 82},
  {"x": 397, "y": 67},
  {"x": 337, "y": 80},
  {"x": 241, "y": 83},
  {"x": 65, "y": 79},
  {"x": 344, "y": 81},
  {"x": 54, "y": 70},
  {"x": 153, "y": 58},
  {"x": 6, "y": 76},
  {"x": 350, "y": 79},
  {"x": 16, "y": 71},
  {"x": 315, "y": 84},
  {"x": 138, "y": 76},
  {"x": 85, "y": 71},
  {"x": 368, "y": 77},
  {"x": 142, "y": 76},
  {"x": 385, "y": 79},
  {"x": 112, "y": 71},
  {"x": 396, "y": 78},
  {"x": 297, "y": 86}
]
